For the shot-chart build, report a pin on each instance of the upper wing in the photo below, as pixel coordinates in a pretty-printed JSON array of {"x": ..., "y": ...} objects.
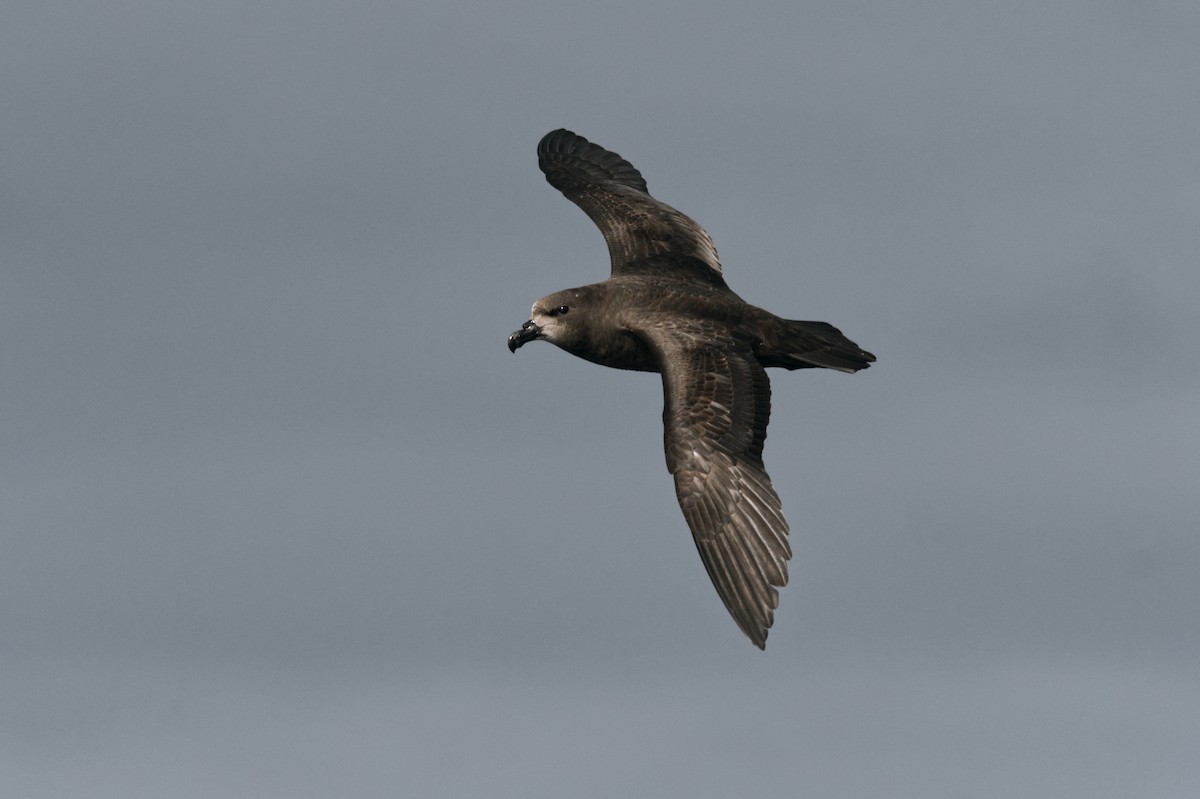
[
  {"x": 644, "y": 236},
  {"x": 717, "y": 403}
]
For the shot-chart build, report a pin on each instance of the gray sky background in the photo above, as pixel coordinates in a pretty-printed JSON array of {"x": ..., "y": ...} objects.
[{"x": 282, "y": 517}]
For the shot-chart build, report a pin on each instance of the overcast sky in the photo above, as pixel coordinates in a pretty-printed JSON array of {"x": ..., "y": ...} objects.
[{"x": 282, "y": 517}]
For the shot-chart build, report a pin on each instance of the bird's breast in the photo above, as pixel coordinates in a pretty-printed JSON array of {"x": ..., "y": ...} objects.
[{"x": 618, "y": 350}]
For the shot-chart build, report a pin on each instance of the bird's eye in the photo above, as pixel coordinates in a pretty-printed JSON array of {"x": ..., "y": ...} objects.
[{"x": 560, "y": 310}]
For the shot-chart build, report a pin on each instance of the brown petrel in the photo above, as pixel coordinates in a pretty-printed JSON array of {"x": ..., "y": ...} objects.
[{"x": 666, "y": 308}]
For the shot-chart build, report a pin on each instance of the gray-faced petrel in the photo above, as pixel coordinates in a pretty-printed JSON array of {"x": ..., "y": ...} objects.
[{"x": 666, "y": 308}]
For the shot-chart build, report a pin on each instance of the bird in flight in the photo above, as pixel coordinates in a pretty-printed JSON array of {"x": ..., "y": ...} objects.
[{"x": 666, "y": 308}]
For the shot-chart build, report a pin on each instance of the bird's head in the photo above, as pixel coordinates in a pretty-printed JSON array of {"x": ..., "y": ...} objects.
[{"x": 555, "y": 318}]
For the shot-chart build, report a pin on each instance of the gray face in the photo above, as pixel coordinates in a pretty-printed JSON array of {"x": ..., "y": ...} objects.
[{"x": 551, "y": 319}]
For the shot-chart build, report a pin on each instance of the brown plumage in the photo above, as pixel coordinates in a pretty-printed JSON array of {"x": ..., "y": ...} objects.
[{"x": 666, "y": 308}]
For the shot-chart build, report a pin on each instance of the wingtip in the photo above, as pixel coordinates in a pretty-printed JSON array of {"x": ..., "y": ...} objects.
[
  {"x": 567, "y": 158},
  {"x": 552, "y": 141},
  {"x": 757, "y": 636}
]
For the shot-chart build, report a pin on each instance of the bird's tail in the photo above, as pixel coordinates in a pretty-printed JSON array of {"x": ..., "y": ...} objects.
[{"x": 807, "y": 345}]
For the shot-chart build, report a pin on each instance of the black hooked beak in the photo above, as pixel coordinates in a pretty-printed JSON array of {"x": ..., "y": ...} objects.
[{"x": 528, "y": 332}]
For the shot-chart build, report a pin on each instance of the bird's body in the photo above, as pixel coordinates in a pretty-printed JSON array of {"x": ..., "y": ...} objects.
[{"x": 666, "y": 308}]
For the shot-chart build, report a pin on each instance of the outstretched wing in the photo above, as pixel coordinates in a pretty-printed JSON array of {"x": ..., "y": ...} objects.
[
  {"x": 717, "y": 403},
  {"x": 644, "y": 236}
]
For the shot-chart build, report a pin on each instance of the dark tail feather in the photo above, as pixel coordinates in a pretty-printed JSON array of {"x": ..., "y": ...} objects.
[{"x": 807, "y": 345}]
